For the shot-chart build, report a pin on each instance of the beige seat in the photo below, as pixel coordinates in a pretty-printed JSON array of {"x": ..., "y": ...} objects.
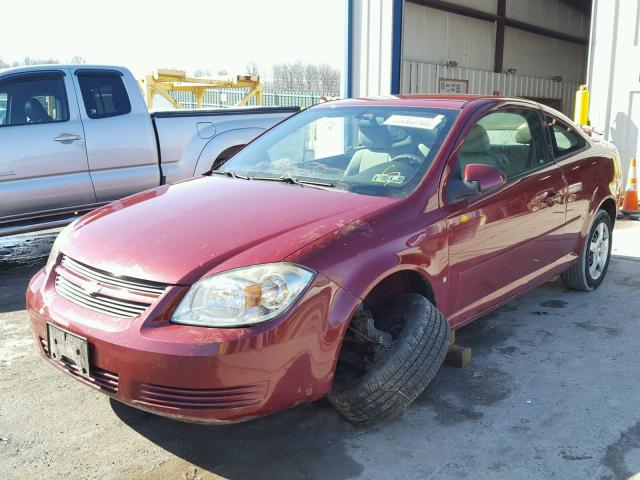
[
  {"x": 377, "y": 142},
  {"x": 476, "y": 150}
]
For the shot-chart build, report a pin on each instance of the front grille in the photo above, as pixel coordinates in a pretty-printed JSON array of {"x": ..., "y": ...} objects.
[
  {"x": 202, "y": 399},
  {"x": 102, "y": 379},
  {"x": 106, "y": 278},
  {"x": 69, "y": 287}
]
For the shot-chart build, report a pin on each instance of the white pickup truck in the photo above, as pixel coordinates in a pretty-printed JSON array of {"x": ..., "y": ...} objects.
[{"x": 74, "y": 137}]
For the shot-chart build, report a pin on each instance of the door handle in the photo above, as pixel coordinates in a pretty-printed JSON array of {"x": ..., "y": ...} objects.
[{"x": 67, "y": 137}]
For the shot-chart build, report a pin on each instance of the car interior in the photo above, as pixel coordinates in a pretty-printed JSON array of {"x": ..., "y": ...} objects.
[
  {"x": 34, "y": 101},
  {"x": 502, "y": 140},
  {"x": 379, "y": 144}
]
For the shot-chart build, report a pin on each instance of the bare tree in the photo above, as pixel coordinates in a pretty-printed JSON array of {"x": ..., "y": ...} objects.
[
  {"x": 251, "y": 68},
  {"x": 328, "y": 79},
  {"x": 308, "y": 78},
  {"x": 77, "y": 59},
  {"x": 202, "y": 73},
  {"x": 28, "y": 61},
  {"x": 36, "y": 61}
]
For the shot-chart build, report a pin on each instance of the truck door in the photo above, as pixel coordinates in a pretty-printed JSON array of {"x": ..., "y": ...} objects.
[
  {"x": 43, "y": 161},
  {"x": 121, "y": 143}
]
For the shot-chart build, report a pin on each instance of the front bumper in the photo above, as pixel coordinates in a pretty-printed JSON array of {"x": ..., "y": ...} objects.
[{"x": 199, "y": 374}]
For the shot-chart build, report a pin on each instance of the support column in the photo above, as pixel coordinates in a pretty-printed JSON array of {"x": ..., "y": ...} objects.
[{"x": 374, "y": 47}]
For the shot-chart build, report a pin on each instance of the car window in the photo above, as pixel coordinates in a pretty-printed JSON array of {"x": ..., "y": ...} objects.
[
  {"x": 104, "y": 95},
  {"x": 370, "y": 150},
  {"x": 564, "y": 138},
  {"x": 509, "y": 140},
  {"x": 34, "y": 99}
]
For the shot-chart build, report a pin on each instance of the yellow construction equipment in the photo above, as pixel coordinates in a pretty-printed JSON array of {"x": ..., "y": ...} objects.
[
  {"x": 581, "y": 109},
  {"x": 163, "y": 82}
]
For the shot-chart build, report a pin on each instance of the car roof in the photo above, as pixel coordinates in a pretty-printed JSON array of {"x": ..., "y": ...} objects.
[{"x": 452, "y": 101}]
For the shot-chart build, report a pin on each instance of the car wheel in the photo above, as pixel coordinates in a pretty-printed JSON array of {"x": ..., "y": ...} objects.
[
  {"x": 374, "y": 382},
  {"x": 587, "y": 274}
]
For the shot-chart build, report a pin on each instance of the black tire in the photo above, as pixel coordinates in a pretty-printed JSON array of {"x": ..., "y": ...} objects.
[
  {"x": 579, "y": 276},
  {"x": 404, "y": 371}
]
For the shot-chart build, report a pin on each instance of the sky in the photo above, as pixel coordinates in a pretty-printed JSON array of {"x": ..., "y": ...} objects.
[{"x": 189, "y": 35}]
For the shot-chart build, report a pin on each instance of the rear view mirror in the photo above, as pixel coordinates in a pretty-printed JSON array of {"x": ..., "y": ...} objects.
[{"x": 485, "y": 177}]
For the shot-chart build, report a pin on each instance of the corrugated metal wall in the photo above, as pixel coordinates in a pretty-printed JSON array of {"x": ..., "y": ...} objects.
[
  {"x": 420, "y": 77},
  {"x": 436, "y": 36}
]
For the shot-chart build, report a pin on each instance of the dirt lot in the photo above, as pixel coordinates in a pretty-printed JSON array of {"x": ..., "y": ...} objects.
[{"x": 552, "y": 392}]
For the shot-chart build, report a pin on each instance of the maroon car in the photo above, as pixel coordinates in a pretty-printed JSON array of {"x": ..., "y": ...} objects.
[{"x": 331, "y": 257}]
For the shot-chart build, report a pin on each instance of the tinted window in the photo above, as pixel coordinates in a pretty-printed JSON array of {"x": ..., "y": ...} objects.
[
  {"x": 507, "y": 139},
  {"x": 35, "y": 99},
  {"x": 104, "y": 95},
  {"x": 563, "y": 138},
  {"x": 3, "y": 108}
]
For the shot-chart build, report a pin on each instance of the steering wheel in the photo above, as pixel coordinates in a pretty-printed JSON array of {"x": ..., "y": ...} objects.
[{"x": 414, "y": 161}]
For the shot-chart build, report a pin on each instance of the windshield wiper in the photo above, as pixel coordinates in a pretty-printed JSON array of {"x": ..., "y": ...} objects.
[
  {"x": 295, "y": 181},
  {"x": 228, "y": 174}
]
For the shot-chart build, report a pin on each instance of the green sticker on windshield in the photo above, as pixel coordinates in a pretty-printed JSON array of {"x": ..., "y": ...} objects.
[{"x": 388, "y": 178}]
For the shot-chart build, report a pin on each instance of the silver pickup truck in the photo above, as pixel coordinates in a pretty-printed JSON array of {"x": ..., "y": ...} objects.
[{"x": 74, "y": 137}]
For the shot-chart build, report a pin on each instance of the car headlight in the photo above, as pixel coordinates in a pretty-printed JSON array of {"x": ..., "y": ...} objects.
[
  {"x": 244, "y": 296},
  {"x": 57, "y": 245}
]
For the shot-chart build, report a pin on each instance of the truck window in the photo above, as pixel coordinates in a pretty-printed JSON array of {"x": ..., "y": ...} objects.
[
  {"x": 104, "y": 95},
  {"x": 35, "y": 99},
  {"x": 3, "y": 107}
]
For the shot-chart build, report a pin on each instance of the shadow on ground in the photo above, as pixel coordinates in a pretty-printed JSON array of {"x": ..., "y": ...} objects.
[
  {"x": 305, "y": 442},
  {"x": 15, "y": 278}
]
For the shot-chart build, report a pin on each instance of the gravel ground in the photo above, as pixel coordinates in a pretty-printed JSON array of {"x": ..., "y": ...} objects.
[{"x": 552, "y": 392}]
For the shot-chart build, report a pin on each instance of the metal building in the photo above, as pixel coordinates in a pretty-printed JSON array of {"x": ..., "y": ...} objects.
[
  {"x": 508, "y": 47},
  {"x": 614, "y": 74}
]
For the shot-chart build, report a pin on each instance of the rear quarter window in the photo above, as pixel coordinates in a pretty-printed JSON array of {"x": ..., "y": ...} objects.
[
  {"x": 564, "y": 138},
  {"x": 104, "y": 95}
]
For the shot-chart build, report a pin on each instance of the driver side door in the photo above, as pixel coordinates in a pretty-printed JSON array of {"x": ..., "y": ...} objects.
[{"x": 502, "y": 241}]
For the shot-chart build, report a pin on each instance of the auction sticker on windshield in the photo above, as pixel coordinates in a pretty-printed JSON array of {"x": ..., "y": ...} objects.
[{"x": 427, "y": 123}]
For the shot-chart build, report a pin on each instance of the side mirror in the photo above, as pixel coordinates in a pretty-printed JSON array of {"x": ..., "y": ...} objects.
[{"x": 485, "y": 177}]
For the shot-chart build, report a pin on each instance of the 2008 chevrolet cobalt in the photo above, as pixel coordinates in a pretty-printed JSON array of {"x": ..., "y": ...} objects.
[{"x": 332, "y": 256}]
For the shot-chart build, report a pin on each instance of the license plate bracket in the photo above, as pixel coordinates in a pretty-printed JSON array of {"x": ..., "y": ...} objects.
[{"x": 65, "y": 347}]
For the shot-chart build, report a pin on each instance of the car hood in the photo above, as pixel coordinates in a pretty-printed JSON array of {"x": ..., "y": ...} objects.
[{"x": 176, "y": 233}]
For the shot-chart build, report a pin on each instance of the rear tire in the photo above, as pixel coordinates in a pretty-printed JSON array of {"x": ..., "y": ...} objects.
[
  {"x": 589, "y": 271},
  {"x": 403, "y": 371}
]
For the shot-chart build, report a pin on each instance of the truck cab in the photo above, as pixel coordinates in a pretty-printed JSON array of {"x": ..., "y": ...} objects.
[{"x": 74, "y": 137}]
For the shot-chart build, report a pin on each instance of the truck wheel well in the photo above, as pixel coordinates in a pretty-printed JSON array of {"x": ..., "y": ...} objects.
[
  {"x": 399, "y": 283},
  {"x": 225, "y": 155},
  {"x": 609, "y": 206}
]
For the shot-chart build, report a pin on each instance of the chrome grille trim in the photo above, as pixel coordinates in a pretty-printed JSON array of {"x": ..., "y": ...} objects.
[
  {"x": 69, "y": 286},
  {"x": 105, "y": 278},
  {"x": 100, "y": 303}
]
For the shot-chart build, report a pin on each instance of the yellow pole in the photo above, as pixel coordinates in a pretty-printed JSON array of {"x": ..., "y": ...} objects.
[{"x": 581, "y": 109}]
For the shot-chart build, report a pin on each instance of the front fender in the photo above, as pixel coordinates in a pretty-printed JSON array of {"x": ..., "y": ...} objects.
[{"x": 363, "y": 253}]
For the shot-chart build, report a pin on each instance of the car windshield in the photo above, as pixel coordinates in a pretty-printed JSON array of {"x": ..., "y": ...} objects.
[{"x": 384, "y": 151}]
